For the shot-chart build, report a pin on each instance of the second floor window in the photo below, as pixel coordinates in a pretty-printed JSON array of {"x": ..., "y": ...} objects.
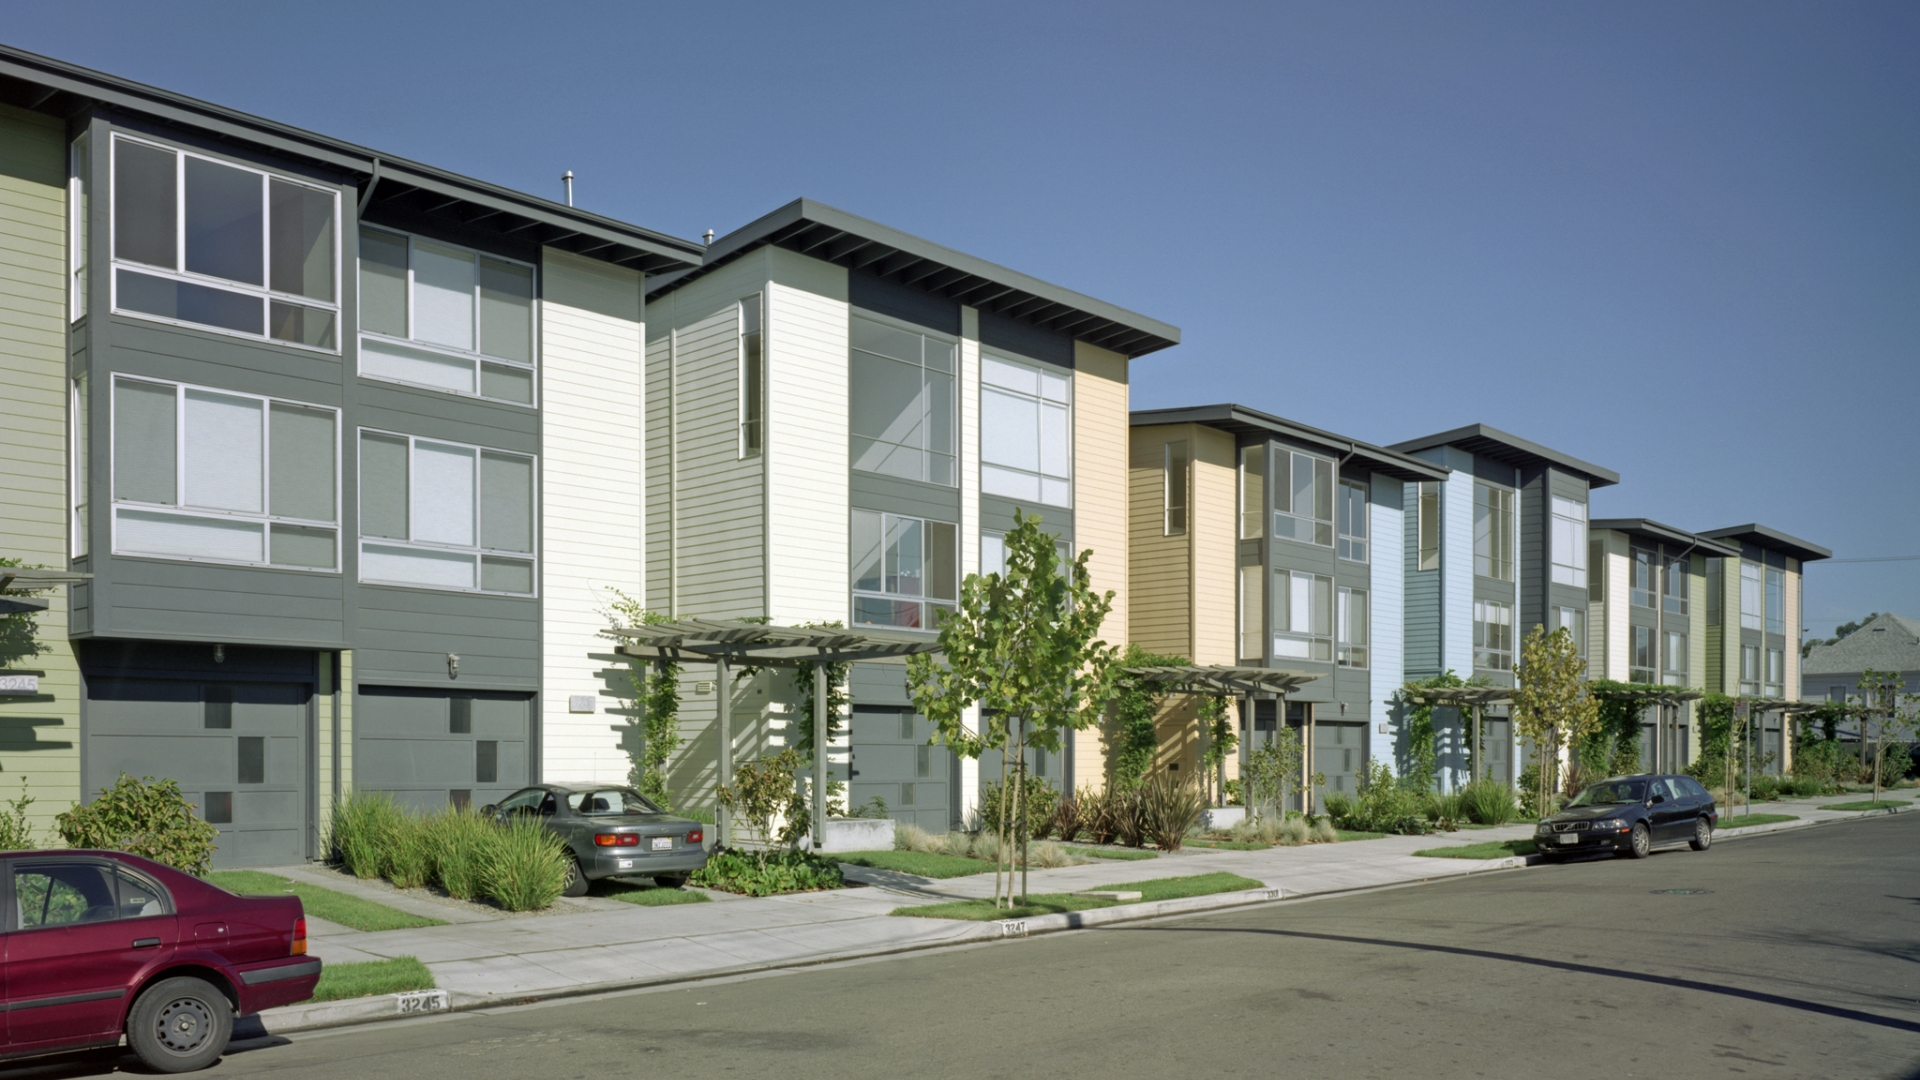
[
  {"x": 1253, "y": 492},
  {"x": 902, "y": 402},
  {"x": 1302, "y": 616},
  {"x": 1750, "y": 604},
  {"x": 1574, "y": 622},
  {"x": 1303, "y": 493},
  {"x": 1350, "y": 629},
  {"x": 445, "y": 515},
  {"x": 905, "y": 569},
  {"x": 1642, "y": 666},
  {"x": 1174, "y": 487},
  {"x": 1428, "y": 527},
  {"x": 1569, "y": 542},
  {"x": 1253, "y": 607},
  {"x": 445, "y": 317},
  {"x": 1776, "y": 673},
  {"x": 1675, "y": 588},
  {"x": 753, "y": 379},
  {"x": 204, "y": 474},
  {"x": 1492, "y": 532},
  {"x": 214, "y": 245},
  {"x": 1673, "y": 661},
  {"x": 1776, "y": 601},
  {"x": 1640, "y": 583},
  {"x": 1492, "y": 635},
  {"x": 1353, "y": 521},
  {"x": 1026, "y": 432},
  {"x": 1749, "y": 671}
]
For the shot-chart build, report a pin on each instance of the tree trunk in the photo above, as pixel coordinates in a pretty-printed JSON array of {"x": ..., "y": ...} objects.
[{"x": 1001, "y": 832}]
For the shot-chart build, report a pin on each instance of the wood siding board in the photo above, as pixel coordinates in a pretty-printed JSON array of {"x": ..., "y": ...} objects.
[
  {"x": 808, "y": 456},
  {"x": 1160, "y": 569},
  {"x": 1387, "y": 611},
  {"x": 1456, "y": 569}
]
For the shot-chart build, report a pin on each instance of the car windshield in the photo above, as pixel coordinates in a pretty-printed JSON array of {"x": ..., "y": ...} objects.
[
  {"x": 1612, "y": 793},
  {"x": 609, "y": 802}
]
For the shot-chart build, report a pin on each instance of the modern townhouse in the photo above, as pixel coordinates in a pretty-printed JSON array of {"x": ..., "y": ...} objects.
[
  {"x": 841, "y": 421},
  {"x": 1756, "y": 611},
  {"x": 1263, "y": 542},
  {"x": 1498, "y": 547},
  {"x": 349, "y": 447}
]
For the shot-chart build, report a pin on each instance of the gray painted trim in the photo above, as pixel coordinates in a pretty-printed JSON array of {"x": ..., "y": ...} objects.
[
  {"x": 1772, "y": 539},
  {"x": 1497, "y": 444},
  {"x": 1256, "y": 426},
  {"x": 871, "y": 491},
  {"x": 1648, "y": 529},
  {"x": 996, "y": 513}
]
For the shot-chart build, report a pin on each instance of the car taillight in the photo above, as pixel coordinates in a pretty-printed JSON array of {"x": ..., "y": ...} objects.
[
  {"x": 300, "y": 936},
  {"x": 614, "y": 839},
  {"x": 696, "y": 836}
]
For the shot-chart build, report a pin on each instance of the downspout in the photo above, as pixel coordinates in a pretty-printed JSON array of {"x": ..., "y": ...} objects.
[{"x": 366, "y": 193}]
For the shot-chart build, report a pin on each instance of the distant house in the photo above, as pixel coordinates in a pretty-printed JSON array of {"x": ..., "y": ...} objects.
[{"x": 1886, "y": 643}]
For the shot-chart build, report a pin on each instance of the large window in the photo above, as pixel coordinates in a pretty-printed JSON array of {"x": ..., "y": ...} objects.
[
  {"x": 1350, "y": 627},
  {"x": 753, "y": 379},
  {"x": 214, "y": 245},
  {"x": 1492, "y": 532},
  {"x": 210, "y": 475},
  {"x": 1569, "y": 542},
  {"x": 1429, "y": 525},
  {"x": 1640, "y": 581},
  {"x": 1675, "y": 588},
  {"x": 1302, "y": 616},
  {"x": 1492, "y": 635},
  {"x": 1716, "y": 589},
  {"x": 1642, "y": 666},
  {"x": 904, "y": 570},
  {"x": 1776, "y": 673},
  {"x": 1253, "y": 609},
  {"x": 1253, "y": 492},
  {"x": 445, "y": 515},
  {"x": 79, "y": 179},
  {"x": 1574, "y": 622},
  {"x": 1749, "y": 671},
  {"x": 1596, "y": 569},
  {"x": 1776, "y": 601},
  {"x": 1026, "y": 432},
  {"x": 1673, "y": 659},
  {"x": 903, "y": 403},
  {"x": 1303, "y": 493},
  {"x": 1353, "y": 521},
  {"x": 79, "y": 461},
  {"x": 445, "y": 317},
  {"x": 1174, "y": 489},
  {"x": 1750, "y": 604}
]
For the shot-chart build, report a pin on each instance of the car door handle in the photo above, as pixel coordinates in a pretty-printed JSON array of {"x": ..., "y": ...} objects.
[{"x": 146, "y": 943}]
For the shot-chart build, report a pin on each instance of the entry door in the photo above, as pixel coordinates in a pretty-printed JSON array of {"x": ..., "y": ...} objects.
[
  {"x": 238, "y": 751},
  {"x": 1339, "y": 752},
  {"x": 431, "y": 749},
  {"x": 892, "y": 760}
]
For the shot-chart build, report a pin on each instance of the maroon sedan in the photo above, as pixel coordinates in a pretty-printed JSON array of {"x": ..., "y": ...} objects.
[{"x": 97, "y": 943}]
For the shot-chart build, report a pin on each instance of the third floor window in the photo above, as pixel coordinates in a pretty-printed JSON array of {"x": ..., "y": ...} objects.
[
  {"x": 1492, "y": 532},
  {"x": 445, "y": 317},
  {"x": 1026, "y": 432},
  {"x": 902, "y": 402}
]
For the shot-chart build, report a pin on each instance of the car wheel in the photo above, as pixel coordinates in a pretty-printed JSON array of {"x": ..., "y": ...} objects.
[
  {"x": 670, "y": 881},
  {"x": 1702, "y": 835},
  {"x": 1640, "y": 841},
  {"x": 179, "y": 1025},
  {"x": 577, "y": 883}
]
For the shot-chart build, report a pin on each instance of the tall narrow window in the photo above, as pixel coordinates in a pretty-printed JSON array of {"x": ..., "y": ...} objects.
[
  {"x": 1303, "y": 496},
  {"x": 1673, "y": 661},
  {"x": 1596, "y": 569},
  {"x": 1569, "y": 542},
  {"x": 1675, "y": 589},
  {"x": 1253, "y": 492},
  {"x": 1492, "y": 532},
  {"x": 1776, "y": 601},
  {"x": 1643, "y": 665},
  {"x": 1353, "y": 521},
  {"x": 1253, "y": 613},
  {"x": 1640, "y": 585},
  {"x": 79, "y": 163},
  {"x": 1749, "y": 671},
  {"x": 1350, "y": 633},
  {"x": 1750, "y": 603},
  {"x": 1026, "y": 431},
  {"x": 753, "y": 379},
  {"x": 445, "y": 317},
  {"x": 1302, "y": 616},
  {"x": 905, "y": 570},
  {"x": 1174, "y": 484},
  {"x": 1574, "y": 622},
  {"x": 79, "y": 426},
  {"x": 445, "y": 515},
  {"x": 1492, "y": 635},
  {"x": 1776, "y": 673},
  {"x": 1716, "y": 590},
  {"x": 1429, "y": 526}
]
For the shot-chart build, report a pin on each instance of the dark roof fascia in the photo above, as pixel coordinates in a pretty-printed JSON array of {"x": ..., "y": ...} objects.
[
  {"x": 647, "y": 249},
  {"x": 1244, "y": 421},
  {"x": 1511, "y": 449},
  {"x": 1772, "y": 540},
  {"x": 1650, "y": 529},
  {"x": 859, "y": 244}
]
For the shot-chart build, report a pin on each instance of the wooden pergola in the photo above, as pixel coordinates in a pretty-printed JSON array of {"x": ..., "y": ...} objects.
[
  {"x": 24, "y": 580},
  {"x": 1475, "y": 698},
  {"x": 731, "y": 643},
  {"x": 1242, "y": 683},
  {"x": 1669, "y": 699}
]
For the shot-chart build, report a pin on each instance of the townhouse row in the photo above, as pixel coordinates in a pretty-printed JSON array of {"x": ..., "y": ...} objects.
[{"x": 336, "y": 463}]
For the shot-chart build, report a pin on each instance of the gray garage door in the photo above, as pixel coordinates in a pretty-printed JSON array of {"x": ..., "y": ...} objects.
[
  {"x": 1339, "y": 752},
  {"x": 893, "y": 761},
  {"x": 236, "y": 749},
  {"x": 434, "y": 748}
]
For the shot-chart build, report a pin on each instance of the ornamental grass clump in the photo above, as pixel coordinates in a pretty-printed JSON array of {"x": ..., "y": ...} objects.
[
  {"x": 1168, "y": 809},
  {"x": 1488, "y": 802},
  {"x": 364, "y": 824},
  {"x": 525, "y": 866},
  {"x": 460, "y": 840}
]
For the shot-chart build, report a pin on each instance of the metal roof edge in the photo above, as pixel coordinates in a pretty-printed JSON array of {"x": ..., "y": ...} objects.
[
  {"x": 1650, "y": 527},
  {"x": 1228, "y": 413},
  {"x": 1597, "y": 476},
  {"x": 1774, "y": 539}
]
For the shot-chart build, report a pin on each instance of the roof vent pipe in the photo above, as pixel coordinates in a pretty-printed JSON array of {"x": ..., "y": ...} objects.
[
  {"x": 708, "y": 237},
  {"x": 567, "y": 179}
]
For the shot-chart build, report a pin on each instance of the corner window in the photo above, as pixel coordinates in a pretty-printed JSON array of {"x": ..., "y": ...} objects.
[
  {"x": 1026, "y": 432},
  {"x": 217, "y": 246},
  {"x": 753, "y": 379},
  {"x": 1776, "y": 601},
  {"x": 1749, "y": 671},
  {"x": 904, "y": 570},
  {"x": 1574, "y": 622},
  {"x": 1174, "y": 489},
  {"x": 1492, "y": 635},
  {"x": 1353, "y": 521},
  {"x": 1302, "y": 616},
  {"x": 445, "y": 317},
  {"x": 1643, "y": 665},
  {"x": 1303, "y": 494},
  {"x": 1253, "y": 607},
  {"x": 79, "y": 165},
  {"x": 444, "y": 515},
  {"x": 1569, "y": 542},
  {"x": 80, "y": 461},
  {"x": 210, "y": 475},
  {"x": 1673, "y": 659},
  {"x": 1640, "y": 584},
  {"x": 1750, "y": 606},
  {"x": 1776, "y": 673},
  {"x": 1253, "y": 492},
  {"x": 1429, "y": 525},
  {"x": 902, "y": 400},
  {"x": 1350, "y": 627},
  {"x": 1492, "y": 532},
  {"x": 1675, "y": 588}
]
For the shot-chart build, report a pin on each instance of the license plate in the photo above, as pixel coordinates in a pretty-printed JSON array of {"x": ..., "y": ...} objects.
[
  {"x": 1569, "y": 838},
  {"x": 624, "y": 864},
  {"x": 663, "y": 843}
]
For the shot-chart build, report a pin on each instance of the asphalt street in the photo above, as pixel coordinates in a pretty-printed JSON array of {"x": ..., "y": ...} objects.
[{"x": 1794, "y": 955}]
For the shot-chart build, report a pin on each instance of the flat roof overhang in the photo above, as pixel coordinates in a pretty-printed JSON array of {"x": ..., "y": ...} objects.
[
  {"x": 1652, "y": 530},
  {"x": 1491, "y": 442},
  {"x": 1772, "y": 540},
  {"x": 1241, "y": 420}
]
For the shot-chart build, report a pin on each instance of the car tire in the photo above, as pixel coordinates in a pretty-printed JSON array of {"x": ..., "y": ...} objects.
[
  {"x": 577, "y": 883},
  {"x": 1702, "y": 835},
  {"x": 1639, "y": 841},
  {"x": 670, "y": 881},
  {"x": 180, "y": 1025}
]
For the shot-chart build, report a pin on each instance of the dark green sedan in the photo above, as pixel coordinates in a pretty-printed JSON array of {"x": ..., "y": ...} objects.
[{"x": 613, "y": 831}]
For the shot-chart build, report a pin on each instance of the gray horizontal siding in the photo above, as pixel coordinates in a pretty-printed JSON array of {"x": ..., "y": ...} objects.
[
  {"x": 404, "y": 635},
  {"x": 869, "y": 491}
]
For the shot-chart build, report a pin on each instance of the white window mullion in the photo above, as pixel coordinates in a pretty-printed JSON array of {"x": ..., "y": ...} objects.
[{"x": 180, "y": 446}]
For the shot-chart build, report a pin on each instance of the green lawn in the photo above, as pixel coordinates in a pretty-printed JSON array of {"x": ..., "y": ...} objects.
[
  {"x": 1356, "y": 834},
  {"x": 1868, "y": 804},
  {"x": 371, "y": 977},
  {"x": 918, "y": 863},
  {"x": 1228, "y": 845},
  {"x": 335, "y": 907},
  {"x": 1489, "y": 849},
  {"x": 1741, "y": 821},
  {"x": 1123, "y": 854},
  {"x": 1054, "y": 903},
  {"x": 647, "y": 895}
]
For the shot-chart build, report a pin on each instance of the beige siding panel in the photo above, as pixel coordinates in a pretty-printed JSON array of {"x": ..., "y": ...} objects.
[
  {"x": 807, "y": 452},
  {"x": 659, "y": 442},
  {"x": 1697, "y": 621},
  {"x": 1791, "y": 687},
  {"x": 1619, "y": 632},
  {"x": 1100, "y": 499},
  {"x": 1160, "y": 571},
  {"x": 1216, "y": 516},
  {"x": 593, "y": 491},
  {"x": 41, "y": 755},
  {"x": 1730, "y": 625}
]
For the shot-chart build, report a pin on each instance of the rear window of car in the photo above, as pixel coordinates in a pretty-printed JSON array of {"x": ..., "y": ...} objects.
[
  {"x": 610, "y": 801},
  {"x": 1692, "y": 786}
]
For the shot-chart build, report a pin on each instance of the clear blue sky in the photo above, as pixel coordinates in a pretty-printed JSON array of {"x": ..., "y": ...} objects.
[{"x": 1681, "y": 241}]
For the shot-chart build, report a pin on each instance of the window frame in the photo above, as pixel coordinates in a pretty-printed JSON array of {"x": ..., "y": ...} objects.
[
  {"x": 1251, "y": 580},
  {"x": 1321, "y": 466},
  {"x": 1348, "y": 652},
  {"x": 79, "y": 204},
  {"x": 1675, "y": 588},
  {"x": 1751, "y": 577},
  {"x": 1500, "y": 504},
  {"x": 1774, "y": 596},
  {"x": 1252, "y": 480},
  {"x": 1499, "y": 657},
  {"x": 532, "y": 367},
  {"x": 752, "y": 390},
  {"x": 1645, "y": 645},
  {"x": 1671, "y": 675},
  {"x": 1042, "y": 402},
  {"x": 1776, "y": 665},
  {"x": 266, "y": 518},
  {"x": 1428, "y": 526},
  {"x": 1574, "y": 621},
  {"x": 265, "y": 293},
  {"x": 1750, "y": 672},
  {"x": 1353, "y": 547},
  {"x": 79, "y": 462},
  {"x": 1318, "y": 639},
  {"x": 1173, "y": 516},
  {"x": 1571, "y": 574},
  {"x": 478, "y": 551},
  {"x": 927, "y": 601},
  {"x": 1643, "y": 565}
]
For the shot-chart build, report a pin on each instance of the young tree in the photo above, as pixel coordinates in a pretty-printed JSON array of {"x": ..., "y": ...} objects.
[
  {"x": 1221, "y": 742},
  {"x": 1891, "y": 713},
  {"x": 1024, "y": 645},
  {"x": 1551, "y": 705},
  {"x": 764, "y": 790},
  {"x": 1273, "y": 772}
]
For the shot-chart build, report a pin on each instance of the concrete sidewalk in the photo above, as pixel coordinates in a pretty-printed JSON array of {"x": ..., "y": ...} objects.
[{"x": 485, "y": 957}]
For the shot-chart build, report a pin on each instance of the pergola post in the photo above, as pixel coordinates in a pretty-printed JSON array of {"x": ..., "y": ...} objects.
[
  {"x": 723, "y": 708},
  {"x": 819, "y": 754},
  {"x": 1473, "y": 752}
]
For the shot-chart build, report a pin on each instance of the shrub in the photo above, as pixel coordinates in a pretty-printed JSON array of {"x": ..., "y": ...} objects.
[
  {"x": 1047, "y": 855},
  {"x": 460, "y": 841},
  {"x": 980, "y": 845},
  {"x": 147, "y": 817},
  {"x": 768, "y": 874},
  {"x": 1766, "y": 788},
  {"x": 1488, "y": 802},
  {"x": 1339, "y": 805},
  {"x": 16, "y": 832},
  {"x": 1288, "y": 832},
  {"x": 1168, "y": 809},
  {"x": 1040, "y": 801},
  {"x": 910, "y": 837},
  {"x": 1322, "y": 832},
  {"x": 525, "y": 866},
  {"x": 1894, "y": 763},
  {"x": 764, "y": 790},
  {"x": 364, "y": 824},
  {"x": 1066, "y": 818},
  {"x": 1383, "y": 804},
  {"x": 1097, "y": 816},
  {"x": 1447, "y": 808},
  {"x": 410, "y": 854},
  {"x": 1129, "y": 826}
]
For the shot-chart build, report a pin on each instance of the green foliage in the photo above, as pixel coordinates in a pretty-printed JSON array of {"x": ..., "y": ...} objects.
[
  {"x": 1444, "y": 810},
  {"x": 765, "y": 789},
  {"x": 1894, "y": 764},
  {"x": 1039, "y": 802},
  {"x": 1382, "y": 803},
  {"x": 874, "y": 809},
  {"x": 764, "y": 874},
  {"x": 522, "y": 865},
  {"x": 364, "y": 825},
  {"x": 1135, "y": 704},
  {"x": 839, "y": 697},
  {"x": 1551, "y": 704},
  {"x": 457, "y": 839},
  {"x": 366, "y": 978},
  {"x": 656, "y": 696},
  {"x": 1272, "y": 773},
  {"x": 321, "y": 903},
  {"x": 16, "y": 832},
  {"x": 1222, "y": 740},
  {"x": 1486, "y": 849},
  {"x": 1488, "y": 802},
  {"x": 1422, "y": 756},
  {"x": 1613, "y": 747},
  {"x": 1056, "y": 903},
  {"x": 1290, "y": 831},
  {"x": 1065, "y": 823},
  {"x": 1113, "y": 817},
  {"x": 19, "y": 630},
  {"x": 1169, "y": 809},
  {"x": 1822, "y": 765},
  {"x": 526, "y": 865},
  {"x": 147, "y": 817}
]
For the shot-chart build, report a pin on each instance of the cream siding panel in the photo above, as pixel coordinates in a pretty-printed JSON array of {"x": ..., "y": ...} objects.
[
  {"x": 592, "y": 501},
  {"x": 969, "y": 463},
  {"x": 1160, "y": 568},
  {"x": 1697, "y": 621},
  {"x": 1791, "y": 611},
  {"x": 1387, "y": 672},
  {"x": 1214, "y": 510},
  {"x": 42, "y": 751},
  {"x": 1619, "y": 628},
  {"x": 1100, "y": 498},
  {"x": 1456, "y": 567},
  {"x": 1730, "y": 625},
  {"x": 807, "y": 437}
]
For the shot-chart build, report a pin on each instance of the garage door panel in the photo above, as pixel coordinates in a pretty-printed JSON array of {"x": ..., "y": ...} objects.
[
  {"x": 426, "y": 747},
  {"x": 494, "y": 718},
  {"x": 193, "y": 760},
  {"x": 145, "y": 706},
  {"x": 267, "y": 807}
]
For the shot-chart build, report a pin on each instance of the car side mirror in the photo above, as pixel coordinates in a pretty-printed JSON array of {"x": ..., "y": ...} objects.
[
  {"x": 489, "y": 810},
  {"x": 1657, "y": 799}
]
